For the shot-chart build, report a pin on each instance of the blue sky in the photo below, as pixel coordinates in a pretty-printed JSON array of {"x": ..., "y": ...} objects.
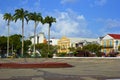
[{"x": 75, "y": 18}]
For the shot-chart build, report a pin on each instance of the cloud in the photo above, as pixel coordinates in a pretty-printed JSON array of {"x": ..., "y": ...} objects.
[
  {"x": 67, "y": 1},
  {"x": 24, "y": 2},
  {"x": 69, "y": 24},
  {"x": 2, "y": 25},
  {"x": 99, "y": 3},
  {"x": 30, "y": 5},
  {"x": 112, "y": 23},
  {"x": 15, "y": 28},
  {"x": 110, "y": 26}
]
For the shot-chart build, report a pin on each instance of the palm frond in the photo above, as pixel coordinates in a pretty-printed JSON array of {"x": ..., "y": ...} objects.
[
  {"x": 20, "y": 14},
  {"x": 49, "y": 20},
  {"x": 8, "y": 17}
]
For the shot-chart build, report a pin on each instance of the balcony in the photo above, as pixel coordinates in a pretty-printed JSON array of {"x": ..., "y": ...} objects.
[{"x": 107, "y": 46}]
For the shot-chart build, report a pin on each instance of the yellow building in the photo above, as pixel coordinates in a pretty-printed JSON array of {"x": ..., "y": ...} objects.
[
  {"x": 110, "y": 43},
  {"x": 64, "y": 44}
]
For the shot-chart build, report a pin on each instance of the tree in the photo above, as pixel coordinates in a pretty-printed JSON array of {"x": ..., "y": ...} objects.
[
  {"x": 94, "y": 48},
  {"x": 119, "y": 48},
  {"x": 8, "y": 17},
  {"x": 15, "y": 43},
  {"x": 22, "y": 15},
  {"x": 43, "y": 51},
  {"x": 49, "y": 20},
  {"x": 3, "y": 45},
  {"x": 72, "y": 51},
  {"x": 36, "y": 17},
  {"x": 26, "y": 47}
]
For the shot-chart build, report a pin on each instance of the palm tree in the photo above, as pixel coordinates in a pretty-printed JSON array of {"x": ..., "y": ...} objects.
[
  {"x": 8, "y": 17},
  {"x": 49, "y": 20},
  {"x": 22, "y": 15},
  {"x": 36, "y": 17}
]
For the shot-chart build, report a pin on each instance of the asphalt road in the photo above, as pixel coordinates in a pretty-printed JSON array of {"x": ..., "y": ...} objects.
[{"x": 84, "y": 69}]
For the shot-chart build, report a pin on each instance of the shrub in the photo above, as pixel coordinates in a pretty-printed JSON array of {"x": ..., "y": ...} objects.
[{"x": 62, "y": 54}]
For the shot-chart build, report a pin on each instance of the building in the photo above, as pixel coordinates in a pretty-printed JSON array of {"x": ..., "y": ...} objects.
[
  {"x": 39, "y": 38},
  {"x": 64, "y": 44},
  {"x": 110, "y": 43},
  {"x": 54, "y": 41},
  {"x": 80, "y": 42}
]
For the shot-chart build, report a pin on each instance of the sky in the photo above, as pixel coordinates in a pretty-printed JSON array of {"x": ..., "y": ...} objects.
[{"x": 74, "y": 18}]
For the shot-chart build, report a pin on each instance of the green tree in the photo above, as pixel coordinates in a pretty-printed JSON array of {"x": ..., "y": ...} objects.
[
  {"x": 78, "y": 49},
  {"x": 8, "y": 17},
  {"x": 49, "y": 20},
  {"x": 36, "y": 17},
  {"x": 15, "y": 43},
  {"x": 3, "y": 44},
  {"x": 43, "y": 51},
  {"x": 119, "y": 48},
  {"x": 26, "y": 47},
  {"x": 72, "y": 49},
  {"x": 92, "y": 48},
  {"x": 42, "y": 48},
  {"x": 22, "y": 15}
]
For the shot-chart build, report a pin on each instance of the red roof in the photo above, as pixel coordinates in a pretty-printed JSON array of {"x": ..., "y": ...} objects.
[{"x": 115, "y": 36}]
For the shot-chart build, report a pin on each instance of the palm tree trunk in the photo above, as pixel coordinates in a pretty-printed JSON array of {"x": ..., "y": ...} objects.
[
  {"x": 48, "y": 40},
  {"x": 8, "y": 41},
  {"x": 34, "y": 38},
  {"x": 22, "y": 37}
]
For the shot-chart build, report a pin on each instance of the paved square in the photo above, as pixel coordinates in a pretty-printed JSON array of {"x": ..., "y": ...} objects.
[{"x": 84, "y": 69}]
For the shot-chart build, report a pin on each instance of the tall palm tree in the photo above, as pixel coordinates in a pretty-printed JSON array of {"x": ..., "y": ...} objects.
[
  {"x": 49, "y": 20},
  {"x": 22, "y": 15},
  {"x": 36, "y": 17},
  {"x": 8, "y": 17}
]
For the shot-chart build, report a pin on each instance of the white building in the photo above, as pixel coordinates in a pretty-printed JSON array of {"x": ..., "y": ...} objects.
[
  {"x": 54, "y": 42},
  {"x": 39, "y": 38},
  {"x": 79, "y": 42}
]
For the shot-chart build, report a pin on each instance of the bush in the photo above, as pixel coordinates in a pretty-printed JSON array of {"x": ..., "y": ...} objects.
[
  {"x": 100, "y": 54},
  {"x": 82, "y": 53},
  {"x": 36, "y": 55},
  {"x": 112, "y": 54},
  {"x": 61, "y": 54}
]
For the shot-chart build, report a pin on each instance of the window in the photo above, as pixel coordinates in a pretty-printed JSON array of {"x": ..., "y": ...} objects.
[
  {"x": 111, "y": 44},
  {"x": 116, "y": 42},
  {"x": 104, "y": 51},
  {"x": 105, "y": 43},
  {"x": 50, "y": 41},
  {"x": 63, "y": 47}
]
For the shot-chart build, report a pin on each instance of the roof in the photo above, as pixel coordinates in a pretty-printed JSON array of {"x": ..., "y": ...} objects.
[
  {"x": 115, "y": 36},
  {"x": 74, "y": 40}
]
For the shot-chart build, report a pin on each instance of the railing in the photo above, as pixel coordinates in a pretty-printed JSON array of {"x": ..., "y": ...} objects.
[{"x": 107, "y": 46}]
